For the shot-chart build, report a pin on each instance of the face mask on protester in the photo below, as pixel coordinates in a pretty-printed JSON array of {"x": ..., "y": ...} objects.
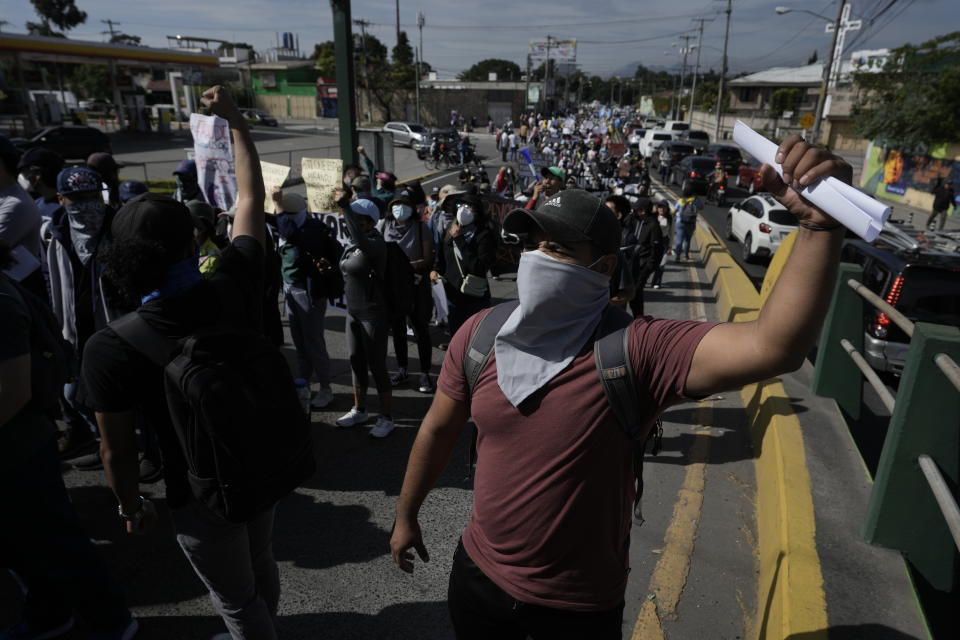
[
  {"x": 560, "y": 306},
  {"x": 85, "y": 219},
  {"x": 401, "y": 212},
  {"x": 465, "y": 215}
]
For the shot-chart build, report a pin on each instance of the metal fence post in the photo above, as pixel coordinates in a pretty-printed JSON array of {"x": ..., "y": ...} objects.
[
  {"x": 903, "y": 513},
  {"x": 836, "y": 376}
]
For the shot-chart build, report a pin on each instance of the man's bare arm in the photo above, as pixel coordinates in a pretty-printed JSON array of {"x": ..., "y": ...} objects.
[
  {"x": 431, "y": 451},
  {"x": 118, "y": 450},
  {"x": 249, "y": 219},
  {"x": 735, "y": 354}
]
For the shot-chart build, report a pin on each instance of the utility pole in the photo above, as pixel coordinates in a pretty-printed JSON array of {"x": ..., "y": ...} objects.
[
  {"x": 723, "y": 74},
  {"x": 363, "y": 24},
  {"x": 110, "y": 25},
  {"x": 546, "y": 76},
  {"x": 421, "y": 20},
  {"x": 398, "y": 22},
  {"x": 343, "y": 55},
  {"x": 831, "y": 71},
  {"x": 683, "y": 72},
  {"x": 696, "y": 72},
  {"x": 526, "y": 95},
  {"x": 417, "y": 59}
]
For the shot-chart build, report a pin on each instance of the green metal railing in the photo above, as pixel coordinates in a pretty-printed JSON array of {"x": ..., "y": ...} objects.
[{"x": 913, "y": 505}]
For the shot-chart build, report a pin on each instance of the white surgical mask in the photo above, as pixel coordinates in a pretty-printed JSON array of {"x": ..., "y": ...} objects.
[
  {"x": 560, "y": 306},
  {"x": 24, "y": 182},
  {"x": 401, "y": 212},
  {"x": 465, "y": 215}
]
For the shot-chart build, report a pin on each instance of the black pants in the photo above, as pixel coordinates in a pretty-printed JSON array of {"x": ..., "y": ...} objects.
[
  {"x": 636, "y": 305},
  {"x": 480, "y": 610},
  {"x": 419, "y": 319},
  {"x": 42, "y": 542}
]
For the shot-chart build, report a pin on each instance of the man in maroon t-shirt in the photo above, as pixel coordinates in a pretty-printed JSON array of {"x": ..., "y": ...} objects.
[{"x": 545, "y": 552}]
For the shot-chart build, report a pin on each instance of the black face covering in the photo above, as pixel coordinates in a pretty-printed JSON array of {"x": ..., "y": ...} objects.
[{"x": 188, "y": 186}]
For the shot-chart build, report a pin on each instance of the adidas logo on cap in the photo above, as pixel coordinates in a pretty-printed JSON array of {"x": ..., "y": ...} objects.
[{"x": 552, "y": 202}]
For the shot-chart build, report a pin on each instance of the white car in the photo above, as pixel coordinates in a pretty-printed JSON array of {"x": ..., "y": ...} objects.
[
  {"x": 652, "y": 140},
  {"x": 406, "y": 133},
  {"x": 676, "y": 127},
  {"x": 759, "y": 224}
]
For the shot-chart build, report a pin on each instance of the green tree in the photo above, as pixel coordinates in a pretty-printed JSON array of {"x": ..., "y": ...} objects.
[
  {"x": 812, "y": 59},
  {"x": 784, "y": 100},
  {"x": 325, "y": 59},
  {"x": 506, "y": 70},
  {"x": 62, "y": 14},
  {"x": 912, "y": 103},
  {"x": 90, "y": 81},
  {"x": 124, "y": 38},
  {"x": 388, "y": 83},
  {"x": 403, "y": 52}
]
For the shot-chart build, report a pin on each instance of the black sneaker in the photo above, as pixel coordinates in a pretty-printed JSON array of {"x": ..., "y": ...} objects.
[
  {"x": 398, "y": 378},
  {"x": 75, "y": 441},
  {"x": 89, "y": 462},
  {"x": 150, "y": 471}
]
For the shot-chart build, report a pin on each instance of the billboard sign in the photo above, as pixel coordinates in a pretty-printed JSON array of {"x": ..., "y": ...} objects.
[{"x": 559, "y": 50}]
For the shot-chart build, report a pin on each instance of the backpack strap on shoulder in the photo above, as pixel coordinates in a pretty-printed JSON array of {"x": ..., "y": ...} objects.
[
  {"x": 482, "y": 340},
  {"x": 138, "y": 333},
  {"x": 612, "y": 356}
]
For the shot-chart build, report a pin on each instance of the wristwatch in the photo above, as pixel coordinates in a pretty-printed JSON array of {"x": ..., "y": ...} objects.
[{"x": 137, "y": 515}]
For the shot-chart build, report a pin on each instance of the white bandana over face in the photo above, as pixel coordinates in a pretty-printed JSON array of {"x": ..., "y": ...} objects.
[{"x": 560, "y": 308}]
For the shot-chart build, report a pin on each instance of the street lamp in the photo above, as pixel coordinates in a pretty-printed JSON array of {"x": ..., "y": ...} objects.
[{"x": 783, "y": 10}]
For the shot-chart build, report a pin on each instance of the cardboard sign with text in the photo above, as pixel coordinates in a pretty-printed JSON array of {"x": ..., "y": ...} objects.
[
  {"x": 274, "y": 175},
  {"x": 213, "y": 153},
  {"x": 322, "y": 176}
]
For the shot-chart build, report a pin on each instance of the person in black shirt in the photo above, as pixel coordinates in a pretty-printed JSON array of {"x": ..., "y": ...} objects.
[
  {"x": 943, "y": 199},
  {"x": 154, "y": 256}
]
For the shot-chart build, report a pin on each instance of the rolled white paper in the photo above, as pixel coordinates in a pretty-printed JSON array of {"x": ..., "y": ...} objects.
[{"x": 850, "y": 207}]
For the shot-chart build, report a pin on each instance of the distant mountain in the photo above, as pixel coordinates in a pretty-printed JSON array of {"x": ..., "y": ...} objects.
[{"x": 629, "y": 68}]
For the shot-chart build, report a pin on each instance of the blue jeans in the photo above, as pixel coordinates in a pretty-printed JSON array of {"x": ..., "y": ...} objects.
[
  {"x": 307, "y": 330},
  {"x": 43, "y": 544},
  {"x": 684, "y": 234}
]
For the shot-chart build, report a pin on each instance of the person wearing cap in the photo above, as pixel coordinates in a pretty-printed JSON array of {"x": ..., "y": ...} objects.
[
  {"x": 188, "y": 185},
  {"x": 130, "y": 189},
  {"x": 467, "y": 250},
  {"x": 38, "y": 169},
  {"x": 552, "y": 183},
  {"x": 413, "y": 236},
  {"x": 432, "y": 201},
  {"x": 685, "y": 222},
  {"x": 545, "y": 552},
  {"x": 308, "y": 253},
  {"x": 364, "y": 264},
  {"x": 153, "y": 258},
  {"x": 20, "y": 222},
  {"x": 106, "y": 167},
  {"x": 648, "y": 250}
]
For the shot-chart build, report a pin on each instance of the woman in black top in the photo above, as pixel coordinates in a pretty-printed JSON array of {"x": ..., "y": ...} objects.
[
  {"x": 468, "y": 248},
  {"x": 364, "y": 265},
  {"x": 413, "y": 236}
]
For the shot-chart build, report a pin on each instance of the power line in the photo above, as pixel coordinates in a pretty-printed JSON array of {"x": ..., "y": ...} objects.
[{"x": 551, "y": 25}]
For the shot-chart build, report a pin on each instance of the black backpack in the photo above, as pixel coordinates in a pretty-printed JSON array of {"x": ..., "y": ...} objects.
[
  {"x": 688, "y": 214},
  {"x": 612, "y": 357},
  {"x": 52, "y": 358},
  {"x": 234, "y": 408},
  {"x": 398, "y": 284},
  {"x": 312, "y": 235}
]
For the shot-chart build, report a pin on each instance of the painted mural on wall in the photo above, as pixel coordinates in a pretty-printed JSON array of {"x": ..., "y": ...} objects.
[{"x": 908, "y": 178}]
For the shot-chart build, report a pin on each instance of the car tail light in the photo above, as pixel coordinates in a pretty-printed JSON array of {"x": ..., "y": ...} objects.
[
  {"x": 881, "y": 327},
  {"x": 765, "y": 228},
  {"x": 693, "y": 174}
]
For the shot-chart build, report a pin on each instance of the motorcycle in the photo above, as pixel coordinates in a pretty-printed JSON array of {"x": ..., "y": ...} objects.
[{"x": 718, "y": 195}]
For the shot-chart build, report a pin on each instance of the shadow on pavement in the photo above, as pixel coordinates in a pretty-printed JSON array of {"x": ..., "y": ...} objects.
[{"x": 854, "y": 632}]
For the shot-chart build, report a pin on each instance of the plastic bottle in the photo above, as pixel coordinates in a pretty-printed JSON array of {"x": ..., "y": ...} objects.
[{"x": 303, "y": 394}]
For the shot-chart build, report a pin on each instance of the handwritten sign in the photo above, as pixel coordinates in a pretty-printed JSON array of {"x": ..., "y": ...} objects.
[
  {"x": 274, "y": 175},
  {"x": 213, "y": 153},
  {"x": 321, "y": 176}
]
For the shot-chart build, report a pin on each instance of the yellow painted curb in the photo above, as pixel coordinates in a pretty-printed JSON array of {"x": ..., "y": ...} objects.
[{"x": 790, "y": 598}]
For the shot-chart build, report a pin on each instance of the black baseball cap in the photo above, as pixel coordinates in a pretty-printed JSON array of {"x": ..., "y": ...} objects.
[
  {"x": 572, "y": 215},
  {"x": 154, "y": 218}
]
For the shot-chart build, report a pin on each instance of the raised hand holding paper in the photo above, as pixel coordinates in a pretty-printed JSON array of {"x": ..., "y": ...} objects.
[{"x": 850, "y": 207}]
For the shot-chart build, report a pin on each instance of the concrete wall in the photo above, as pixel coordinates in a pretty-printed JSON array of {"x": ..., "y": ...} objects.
[
  {"x": 288, "y": 106},
  {"x": 479, "y": 103}
]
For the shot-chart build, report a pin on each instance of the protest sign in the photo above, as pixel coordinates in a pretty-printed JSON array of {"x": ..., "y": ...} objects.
[
  {"x": 274, "y": 175},
  {"x": 213, "y": 153},
  {"x": 322, "y": 177}
]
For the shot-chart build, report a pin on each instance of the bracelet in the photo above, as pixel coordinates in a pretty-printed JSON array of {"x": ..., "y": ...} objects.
[
  {"x": 814, "y": 227},
  {"x": 136, "y": 515}
]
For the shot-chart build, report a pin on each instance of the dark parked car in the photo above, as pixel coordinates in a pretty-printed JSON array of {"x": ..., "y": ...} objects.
[
  {"x": 256, "y": 116},
  {"x": 699, "y": 139},
  {"x": 727, "y": 154},
  {"x": 916, "y": 272},
  {"x": 678, "y": 151},
  {"x": 693, "y": 170},
  {"x": 72, "y": 142}
]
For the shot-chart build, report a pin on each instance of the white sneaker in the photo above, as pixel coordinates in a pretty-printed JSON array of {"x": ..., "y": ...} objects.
[
  {"x": 382, "y": 428},
  {"x": 352, "y": 418},
  {"x": 426, "y": 385},
  {"x": 321, "y": 399}
]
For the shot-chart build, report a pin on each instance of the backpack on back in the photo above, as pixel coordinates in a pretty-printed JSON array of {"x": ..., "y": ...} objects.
[
  {"x": 612, "y": 358},
  {"x": 235, "y": 411},
  {"x": 688, "y": 214},
  {"x": 52, "y": 358}
]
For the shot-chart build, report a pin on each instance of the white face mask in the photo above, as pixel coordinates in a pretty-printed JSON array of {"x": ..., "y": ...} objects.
[
  {"x": 560, "y": 306},
  {"x": 465, "y": 215},
  {"x": 24, "y": 182},
  {"x": 401, "y": 212}
]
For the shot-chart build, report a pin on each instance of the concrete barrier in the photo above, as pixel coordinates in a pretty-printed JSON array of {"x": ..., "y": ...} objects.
[{"x": 790, "y": 599}]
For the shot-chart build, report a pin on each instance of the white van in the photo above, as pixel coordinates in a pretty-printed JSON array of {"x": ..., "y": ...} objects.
[
  {"x": 652, "y": 140},
  {"x": 676, "y": 127}
]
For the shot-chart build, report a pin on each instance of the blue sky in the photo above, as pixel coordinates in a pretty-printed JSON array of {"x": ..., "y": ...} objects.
[{"x": 613, "y": 35}]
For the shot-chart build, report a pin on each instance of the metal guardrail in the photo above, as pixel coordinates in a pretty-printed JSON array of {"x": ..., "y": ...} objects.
[
  {"x": 898, "y": 318},
  {"x": 950, "y": 369},
  {"x": 948, "y": 505},
  {"x": 888, "y": 399}
]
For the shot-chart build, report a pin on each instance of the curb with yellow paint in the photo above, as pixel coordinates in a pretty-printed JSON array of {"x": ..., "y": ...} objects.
[{"x": 790, "y": 597}]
